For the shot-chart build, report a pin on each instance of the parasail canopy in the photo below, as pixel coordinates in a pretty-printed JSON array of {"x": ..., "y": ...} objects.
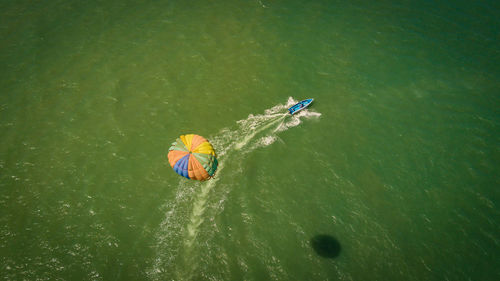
[{"x": 193, "y": 157}]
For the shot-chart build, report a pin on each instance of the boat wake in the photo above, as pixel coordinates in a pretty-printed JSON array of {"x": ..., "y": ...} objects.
[{"x": 179, "y": 233}]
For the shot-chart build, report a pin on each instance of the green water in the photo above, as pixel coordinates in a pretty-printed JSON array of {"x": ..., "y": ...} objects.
[{"x": 397, "y": 161}]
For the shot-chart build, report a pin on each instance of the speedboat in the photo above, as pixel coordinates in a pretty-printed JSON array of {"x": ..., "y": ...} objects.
[{"x": 299, "y": 106}]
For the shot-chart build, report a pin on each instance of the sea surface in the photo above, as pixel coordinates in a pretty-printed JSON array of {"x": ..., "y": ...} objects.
[{"x": 393, "y": 173}]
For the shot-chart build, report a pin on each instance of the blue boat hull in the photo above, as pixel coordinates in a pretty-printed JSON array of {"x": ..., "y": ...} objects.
[{"x": 299, "y": 106}]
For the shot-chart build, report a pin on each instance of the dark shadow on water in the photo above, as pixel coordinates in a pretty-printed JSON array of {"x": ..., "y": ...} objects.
[{"x": 326, "y": 246}]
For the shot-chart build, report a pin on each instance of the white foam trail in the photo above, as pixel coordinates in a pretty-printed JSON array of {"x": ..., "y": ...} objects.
[
  {"x": 248, "y": 137},
  {"x": 199, "y": 206},
  {"x": 182, "y": 222},
  {"x": 268, "y": 140}
]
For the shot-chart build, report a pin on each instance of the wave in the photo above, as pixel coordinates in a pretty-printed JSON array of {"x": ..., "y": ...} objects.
[{"x": 185, "y": 215}]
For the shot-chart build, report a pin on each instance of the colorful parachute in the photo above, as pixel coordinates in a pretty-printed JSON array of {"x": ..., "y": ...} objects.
[{"x": 193, "y": 157}]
